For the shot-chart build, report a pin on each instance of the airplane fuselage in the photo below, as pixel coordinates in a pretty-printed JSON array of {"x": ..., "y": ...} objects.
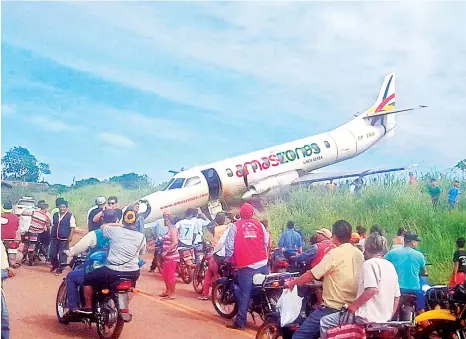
[{"x": 278, "y": 165}]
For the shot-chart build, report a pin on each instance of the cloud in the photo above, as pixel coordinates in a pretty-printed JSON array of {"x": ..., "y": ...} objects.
[
  {"x": 50, "y": 124},
  {"x": 116, "y": 141},
  {"x": 8, "y": 109},
  {"x": 267, "y": 72}
]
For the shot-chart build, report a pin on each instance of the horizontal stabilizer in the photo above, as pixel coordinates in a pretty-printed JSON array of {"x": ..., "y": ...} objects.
[
  {"x": 316, "y": 177},
  {"x": 371, "y": 115}
]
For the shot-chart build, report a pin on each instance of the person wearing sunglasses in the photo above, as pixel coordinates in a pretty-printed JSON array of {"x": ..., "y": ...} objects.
[{"x": 112, "y": 203}]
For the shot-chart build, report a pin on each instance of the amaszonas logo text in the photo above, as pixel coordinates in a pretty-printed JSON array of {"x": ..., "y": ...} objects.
[{"x": 277, "y": 159}]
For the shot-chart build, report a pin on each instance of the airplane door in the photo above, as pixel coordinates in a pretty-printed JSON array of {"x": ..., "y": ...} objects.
[
  {"x": 214, "y": 183},
  {"x": 346, "y": 144}
]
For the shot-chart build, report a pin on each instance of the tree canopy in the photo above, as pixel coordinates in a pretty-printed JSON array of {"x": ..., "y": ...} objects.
[
  {"x": 131, "y": 180},
  {"x": 19, "y": 164}
]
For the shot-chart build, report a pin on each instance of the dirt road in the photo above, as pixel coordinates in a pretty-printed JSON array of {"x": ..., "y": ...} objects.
[{"x": 31, "y": 303}]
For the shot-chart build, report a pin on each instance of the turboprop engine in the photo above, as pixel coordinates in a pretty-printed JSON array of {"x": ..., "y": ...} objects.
[{"x": 264, "y": 186}]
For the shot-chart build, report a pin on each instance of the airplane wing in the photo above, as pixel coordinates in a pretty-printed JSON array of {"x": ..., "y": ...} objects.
[{"x": 324, "y": 176}]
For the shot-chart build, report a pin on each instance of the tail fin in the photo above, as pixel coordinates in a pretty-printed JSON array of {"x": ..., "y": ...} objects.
[{"x": 385, "y": 103}]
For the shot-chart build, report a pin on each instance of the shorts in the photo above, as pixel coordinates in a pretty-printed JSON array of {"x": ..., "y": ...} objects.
[
  {"x": 104, "y": 277},
  {"x": 460, "y": 279}
]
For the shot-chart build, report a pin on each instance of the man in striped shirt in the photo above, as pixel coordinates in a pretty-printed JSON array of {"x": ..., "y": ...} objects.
[{"x": 41, "y": 221}]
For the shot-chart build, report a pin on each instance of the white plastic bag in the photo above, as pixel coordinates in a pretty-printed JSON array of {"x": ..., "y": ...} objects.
[{"x": 289, "y": 304}]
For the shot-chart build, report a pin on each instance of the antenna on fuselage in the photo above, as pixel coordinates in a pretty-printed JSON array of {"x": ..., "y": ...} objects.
[{"x": 176, "y": 172}]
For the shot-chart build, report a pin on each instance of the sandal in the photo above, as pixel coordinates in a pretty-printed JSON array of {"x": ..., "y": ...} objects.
[
  {"x": 169, "y": 297},
  {"x": 163, "y": 295},
  {"x": 203, "y": 297}
]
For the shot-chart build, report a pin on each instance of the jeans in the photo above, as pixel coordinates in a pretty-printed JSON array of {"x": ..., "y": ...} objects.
[
  {"x": 333, "y": 320},
  {"x": 310, "y": 329},
  {"x": 57, "y": 257},
  {"x": 245, "y": 276},
  {"x": 5, "y": 320},
  {"x": 74, "y": 279}
]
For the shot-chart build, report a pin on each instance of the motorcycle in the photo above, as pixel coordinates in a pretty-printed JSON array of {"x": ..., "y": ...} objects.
[
  {"x": 271, "y": 327},
  {"x": 407, "y": 309},
  {"x": 201, "y": 270},
  {"x": 110, "y": 310},
  {"x": 34, "y": 249},
  {"x": 157, "y": 262},
  {"x": 278, "y": 262},
  {"x": 448, "y": 318},
  {"x": 265, "y": 293},
  {"x": 184, "y": 268},
  {"x": 11, "y": 246}
]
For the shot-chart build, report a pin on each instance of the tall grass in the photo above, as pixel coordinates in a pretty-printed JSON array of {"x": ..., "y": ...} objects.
[
  {"x": 390, "y": 203},
  {"x": 391, "y": 206}
]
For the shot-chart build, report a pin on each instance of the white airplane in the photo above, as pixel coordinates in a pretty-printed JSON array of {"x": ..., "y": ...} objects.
[{"x": 264, "y": 173}]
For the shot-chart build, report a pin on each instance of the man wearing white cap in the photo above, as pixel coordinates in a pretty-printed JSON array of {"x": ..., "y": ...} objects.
[{"x": 93, "y": 211}]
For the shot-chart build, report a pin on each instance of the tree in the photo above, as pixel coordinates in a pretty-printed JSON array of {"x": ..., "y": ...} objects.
[
  {"x": 44, "y": 169},
  {"x": 19, "y": 164},
  {"x": 86, "y": 182},
  {"x": 462, "y": 167},
  {"x": 131, "y": 180}
]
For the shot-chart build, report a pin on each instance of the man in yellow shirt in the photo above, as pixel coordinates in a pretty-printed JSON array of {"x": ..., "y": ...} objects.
[{"x": 339, "y": 269}]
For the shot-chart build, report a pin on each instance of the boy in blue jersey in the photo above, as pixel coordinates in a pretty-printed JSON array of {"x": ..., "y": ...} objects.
[{"x": 454, "y": 194}]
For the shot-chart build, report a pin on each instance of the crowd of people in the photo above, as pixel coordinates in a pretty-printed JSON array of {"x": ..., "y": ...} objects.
[{"x": 362, "y": 273}]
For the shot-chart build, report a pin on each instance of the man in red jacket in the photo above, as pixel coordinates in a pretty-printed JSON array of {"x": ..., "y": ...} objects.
[
  {"x": 10, "y": 222},
  {"x": 246, "y": 247}
]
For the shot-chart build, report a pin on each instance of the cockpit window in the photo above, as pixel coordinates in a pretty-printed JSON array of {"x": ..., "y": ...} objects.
[
  {"x": 178, "y": 183},
  {"x": 168, "y": 184},
  {"x": 192, "y": 181}
]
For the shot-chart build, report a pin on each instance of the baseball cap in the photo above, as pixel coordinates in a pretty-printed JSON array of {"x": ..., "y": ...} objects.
[
  {"x": 325, "y": 232},
  {"x": 110, "y": 216},
  {"x": 355, "y": 237},
  {"x": 411, "y": 236},
  {"x": 7, "y": 207},
  {"x": 100, "y": 200}
]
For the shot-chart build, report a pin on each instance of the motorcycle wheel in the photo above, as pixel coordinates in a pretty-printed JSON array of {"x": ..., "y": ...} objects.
[
  {"x": 438, "y": 329},
  {"x": 269, "y": 330},
  {"x": 60, "y": 304},
  {"x": 199, "y": 278},
  {"x": 31, "y": 258},
  {"x": 217, "y": 293},
  {"x": 186, "y": 273},
  {"x": 109, "y": 311}
]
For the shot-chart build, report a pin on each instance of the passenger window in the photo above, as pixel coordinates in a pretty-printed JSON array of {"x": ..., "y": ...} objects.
[
  {"x": 266, "y": 162},
  {"x": 281, "y": 157},
  {"x": 229, "y": 172},
  {"x": 240, "y": 169},
  {"x": 254, "y": 165},
  {"x": 178, "y": 183},
  {"x": 326, "y": 143},
  {"x": 192, "y": 181}
]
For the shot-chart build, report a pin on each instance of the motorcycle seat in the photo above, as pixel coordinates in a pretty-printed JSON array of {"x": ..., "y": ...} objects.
[
  {"x": 408, "y": 297},
  {"x": 258, "y": 279}
]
